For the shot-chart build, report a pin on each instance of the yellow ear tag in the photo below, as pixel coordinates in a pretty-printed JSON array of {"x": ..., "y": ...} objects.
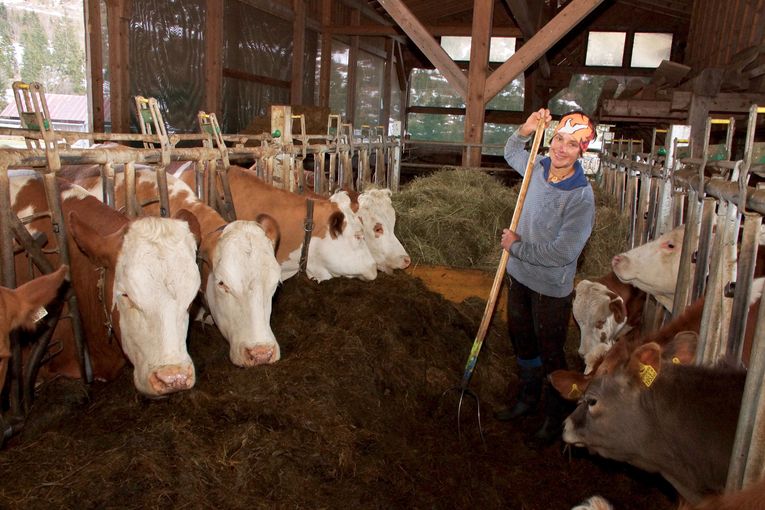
[
  {"x": 647, "y": 375},
  {"x": 675, "y": 360},
  {"x": 575, "y": 392}
]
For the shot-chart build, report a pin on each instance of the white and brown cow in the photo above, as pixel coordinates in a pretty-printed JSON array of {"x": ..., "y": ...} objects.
[
  {"x": 374, "y": 209},
  {"x": 19, "y": 308},
  {"x": 138, "y": 277},
  {"x": 656, "y": 411},
  {"x": 239, "y": 270},
  {"x": 605, "y": 309},
  {"x": 337, "y": 246}
]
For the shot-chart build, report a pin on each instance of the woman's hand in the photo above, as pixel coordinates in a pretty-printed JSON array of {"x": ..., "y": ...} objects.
[
  {"x": 508, "y": 238},
  {"x": 530, "y": 126}
]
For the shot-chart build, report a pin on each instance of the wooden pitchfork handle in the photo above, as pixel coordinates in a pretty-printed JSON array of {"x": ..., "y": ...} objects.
[{"x": 491, "y": 303}]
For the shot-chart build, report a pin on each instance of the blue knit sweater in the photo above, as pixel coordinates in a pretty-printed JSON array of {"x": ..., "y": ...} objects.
[{"x": 554, "y": 226}]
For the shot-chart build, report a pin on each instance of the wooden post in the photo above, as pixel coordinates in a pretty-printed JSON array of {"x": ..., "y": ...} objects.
[
  {"x": 353, "y": 57},
  {"x": 95, "y": 61},
  {"x": 213, "y": 56},
  {"x": 387, "y": 77},
  {"x": 483, "y": 11},
  {"x": 118, "y": 20},
  {"x": 326, "y": 52},
  {"x": 298, "y": 49}
]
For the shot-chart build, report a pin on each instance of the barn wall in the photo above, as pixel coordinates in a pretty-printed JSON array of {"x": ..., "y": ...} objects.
[{"x": 721, "y": 28}]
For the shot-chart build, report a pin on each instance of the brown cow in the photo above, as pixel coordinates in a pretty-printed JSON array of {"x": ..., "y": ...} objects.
[{"x": 137, "y": 277}]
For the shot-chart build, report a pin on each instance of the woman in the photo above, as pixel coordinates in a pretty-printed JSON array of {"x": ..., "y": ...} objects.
[{"x": 555, "y": 224}]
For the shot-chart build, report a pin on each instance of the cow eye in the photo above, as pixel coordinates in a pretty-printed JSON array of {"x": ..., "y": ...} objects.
[
  {"x": 671, "y": 246},
  {"x": 591, "y": 402},
  {"x": 126, "y": 299},
  {"x": 222, "y": 286},
  {"x": 379, "y": 229}
]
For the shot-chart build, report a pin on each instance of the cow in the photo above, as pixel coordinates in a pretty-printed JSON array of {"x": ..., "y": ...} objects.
[
  {"x": 655, "y": 410},
  {"x": 336, "y": 247},
  {"x": 605, "y": 309},
  {"x": 374, "y": 209},
  {"x": 239, "y": 270},
  {"x": 653, "y": 267},
  {"x": 751, "y": 497},
  {"x": 134, "y": 281},
  {"x": 594, "y": 503},
  {"x": 23, "y": 307}
]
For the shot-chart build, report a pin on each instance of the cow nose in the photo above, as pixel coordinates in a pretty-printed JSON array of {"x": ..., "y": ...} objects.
[
  {"x": 259, "y": 355},
  {"x": 405, "y": 262},
  {"x": 171, "y": 378}
]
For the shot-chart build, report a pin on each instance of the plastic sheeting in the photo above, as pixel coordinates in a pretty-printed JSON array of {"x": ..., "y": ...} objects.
[{"x": 167, "y": 58}]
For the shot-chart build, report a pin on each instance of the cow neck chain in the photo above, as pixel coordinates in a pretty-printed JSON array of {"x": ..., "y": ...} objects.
[
  {"x": 308, "y": 228},
  {"x": 101, "y": 286}
]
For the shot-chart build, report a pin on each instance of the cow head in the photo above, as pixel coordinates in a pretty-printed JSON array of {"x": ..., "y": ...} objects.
[
  {"x": 601, "y": 316},
  {"x": 18, "y": 308},
  {"x": 343, "y": 250},
  {"x": 653, "y": 267},
  {"x": 610, "y": 400},
  {"x": 379, "y": 219},
  {"x": 151, "y": 278},
  {"x": 243, "y": 277}
]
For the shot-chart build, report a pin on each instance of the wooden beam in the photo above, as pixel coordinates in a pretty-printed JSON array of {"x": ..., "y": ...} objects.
[
  {"x": 403, "y": 79},
  {"x": 545, "y": 38},
  {"x": 387, "y": 78},
  {"x": 298, "y": 49},
  {"x": 326, "y": 53},
  {"x": 427, "y": 44},
  {"x": 353, "y": 59},
  {"x": 213, "y": 41},
  {"x": 520, "y": 11},
  {"x": 118, "y": 19},
  {"x": 95, "y": 61},
  {"x": 492, "y": 116},
  {"x": 483, "y": 12},
  {"x": 255, "y": 78},
  {"x": 434, "y": 30}
]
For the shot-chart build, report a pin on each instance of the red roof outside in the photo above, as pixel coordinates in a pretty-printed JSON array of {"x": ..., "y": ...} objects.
[{"x": 62, "y": 107}]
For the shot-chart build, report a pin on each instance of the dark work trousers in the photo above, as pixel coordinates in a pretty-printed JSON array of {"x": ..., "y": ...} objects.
[{"x": 538, "y": 324}]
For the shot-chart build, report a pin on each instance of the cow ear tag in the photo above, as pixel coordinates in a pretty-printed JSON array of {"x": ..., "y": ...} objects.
[
  {"x": 39, "y": 314},
  {"x": 647, "y": 375},
  {"x": 575, "y": 392},
  {"x": 675, "y": 360}
]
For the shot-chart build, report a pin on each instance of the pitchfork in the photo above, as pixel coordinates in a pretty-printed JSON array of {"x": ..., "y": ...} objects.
[{"x": 491, "y": 303}]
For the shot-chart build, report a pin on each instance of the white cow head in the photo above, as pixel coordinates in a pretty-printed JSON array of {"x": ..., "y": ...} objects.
[
  {"x": 343, "y": 250},
  {"x": 601, "y": 315},
  {"x": 379, "y": 219},
  {"x": 653, "y": 267},
  {"x": 243, "y": 277},
  {"x": 153, "y": 261}
]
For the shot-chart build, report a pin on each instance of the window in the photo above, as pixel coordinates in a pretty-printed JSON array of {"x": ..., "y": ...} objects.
[
  {"x": 648, "y": 50},
  {"x": 338, "y": 79},
  {"x": 458, "y": 48},
  {"x": 605, "y": 49}
]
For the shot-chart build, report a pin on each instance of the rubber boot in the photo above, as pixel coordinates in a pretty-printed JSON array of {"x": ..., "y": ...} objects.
[
  {"x": 556, "y": 410},
  {"x": 531, "y": 379}
]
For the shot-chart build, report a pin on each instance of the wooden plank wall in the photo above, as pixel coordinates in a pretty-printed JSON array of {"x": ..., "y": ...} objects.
[{"x": 721, "y": 28}]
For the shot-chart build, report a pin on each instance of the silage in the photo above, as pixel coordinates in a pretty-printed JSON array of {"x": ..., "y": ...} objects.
[{"x": 455, "y": 218}]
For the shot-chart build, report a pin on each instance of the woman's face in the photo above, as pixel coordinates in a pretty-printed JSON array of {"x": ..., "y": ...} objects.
[{"x": 564, "y": 151}]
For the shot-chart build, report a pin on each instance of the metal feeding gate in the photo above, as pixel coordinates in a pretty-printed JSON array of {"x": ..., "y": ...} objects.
[{"x": 709, "y": 197}]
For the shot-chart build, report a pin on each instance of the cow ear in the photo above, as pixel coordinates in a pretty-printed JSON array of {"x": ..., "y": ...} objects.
[
  {"x": 194, "y": 227},
  {"x": 571, "y": 385},
  {"x": 681, "y": 350},
  {"x": 271, "y": 228},
  {"x": 336, "y": 224},
  {"x": 617, "y": 307},
  {"x": 645, "y": 363},
  {"x": 102, "y": 250},
  {"x": 36, "y": 293}
]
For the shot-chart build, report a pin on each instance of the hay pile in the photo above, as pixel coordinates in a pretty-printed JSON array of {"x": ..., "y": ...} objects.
[
  {"x": 349, "y": 418},
  {"x": 455, "y": 218}
]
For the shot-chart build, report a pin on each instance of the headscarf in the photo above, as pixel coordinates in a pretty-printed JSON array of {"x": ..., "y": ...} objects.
[{"x": 579, "y": 126}]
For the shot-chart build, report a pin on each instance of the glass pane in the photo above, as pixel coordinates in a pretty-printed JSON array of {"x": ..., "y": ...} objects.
[
  {"x": 605, "y": 49},
  {"x": 648, "y": 50},
  {"x": 434, "y": 127},
  {"x": 501, "y": 49},
  {"x": 429, "y": 88},
  {"x": 496, "y": 134},
  {"x": 456, "y": 47},
  {"x": 338, "y": 79},
  {"x": 582, "y": 93},
  {"x": 395, "y": 107},
  {"x": 369, "y": 85},
  {"x": 510, "y": 98}
]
